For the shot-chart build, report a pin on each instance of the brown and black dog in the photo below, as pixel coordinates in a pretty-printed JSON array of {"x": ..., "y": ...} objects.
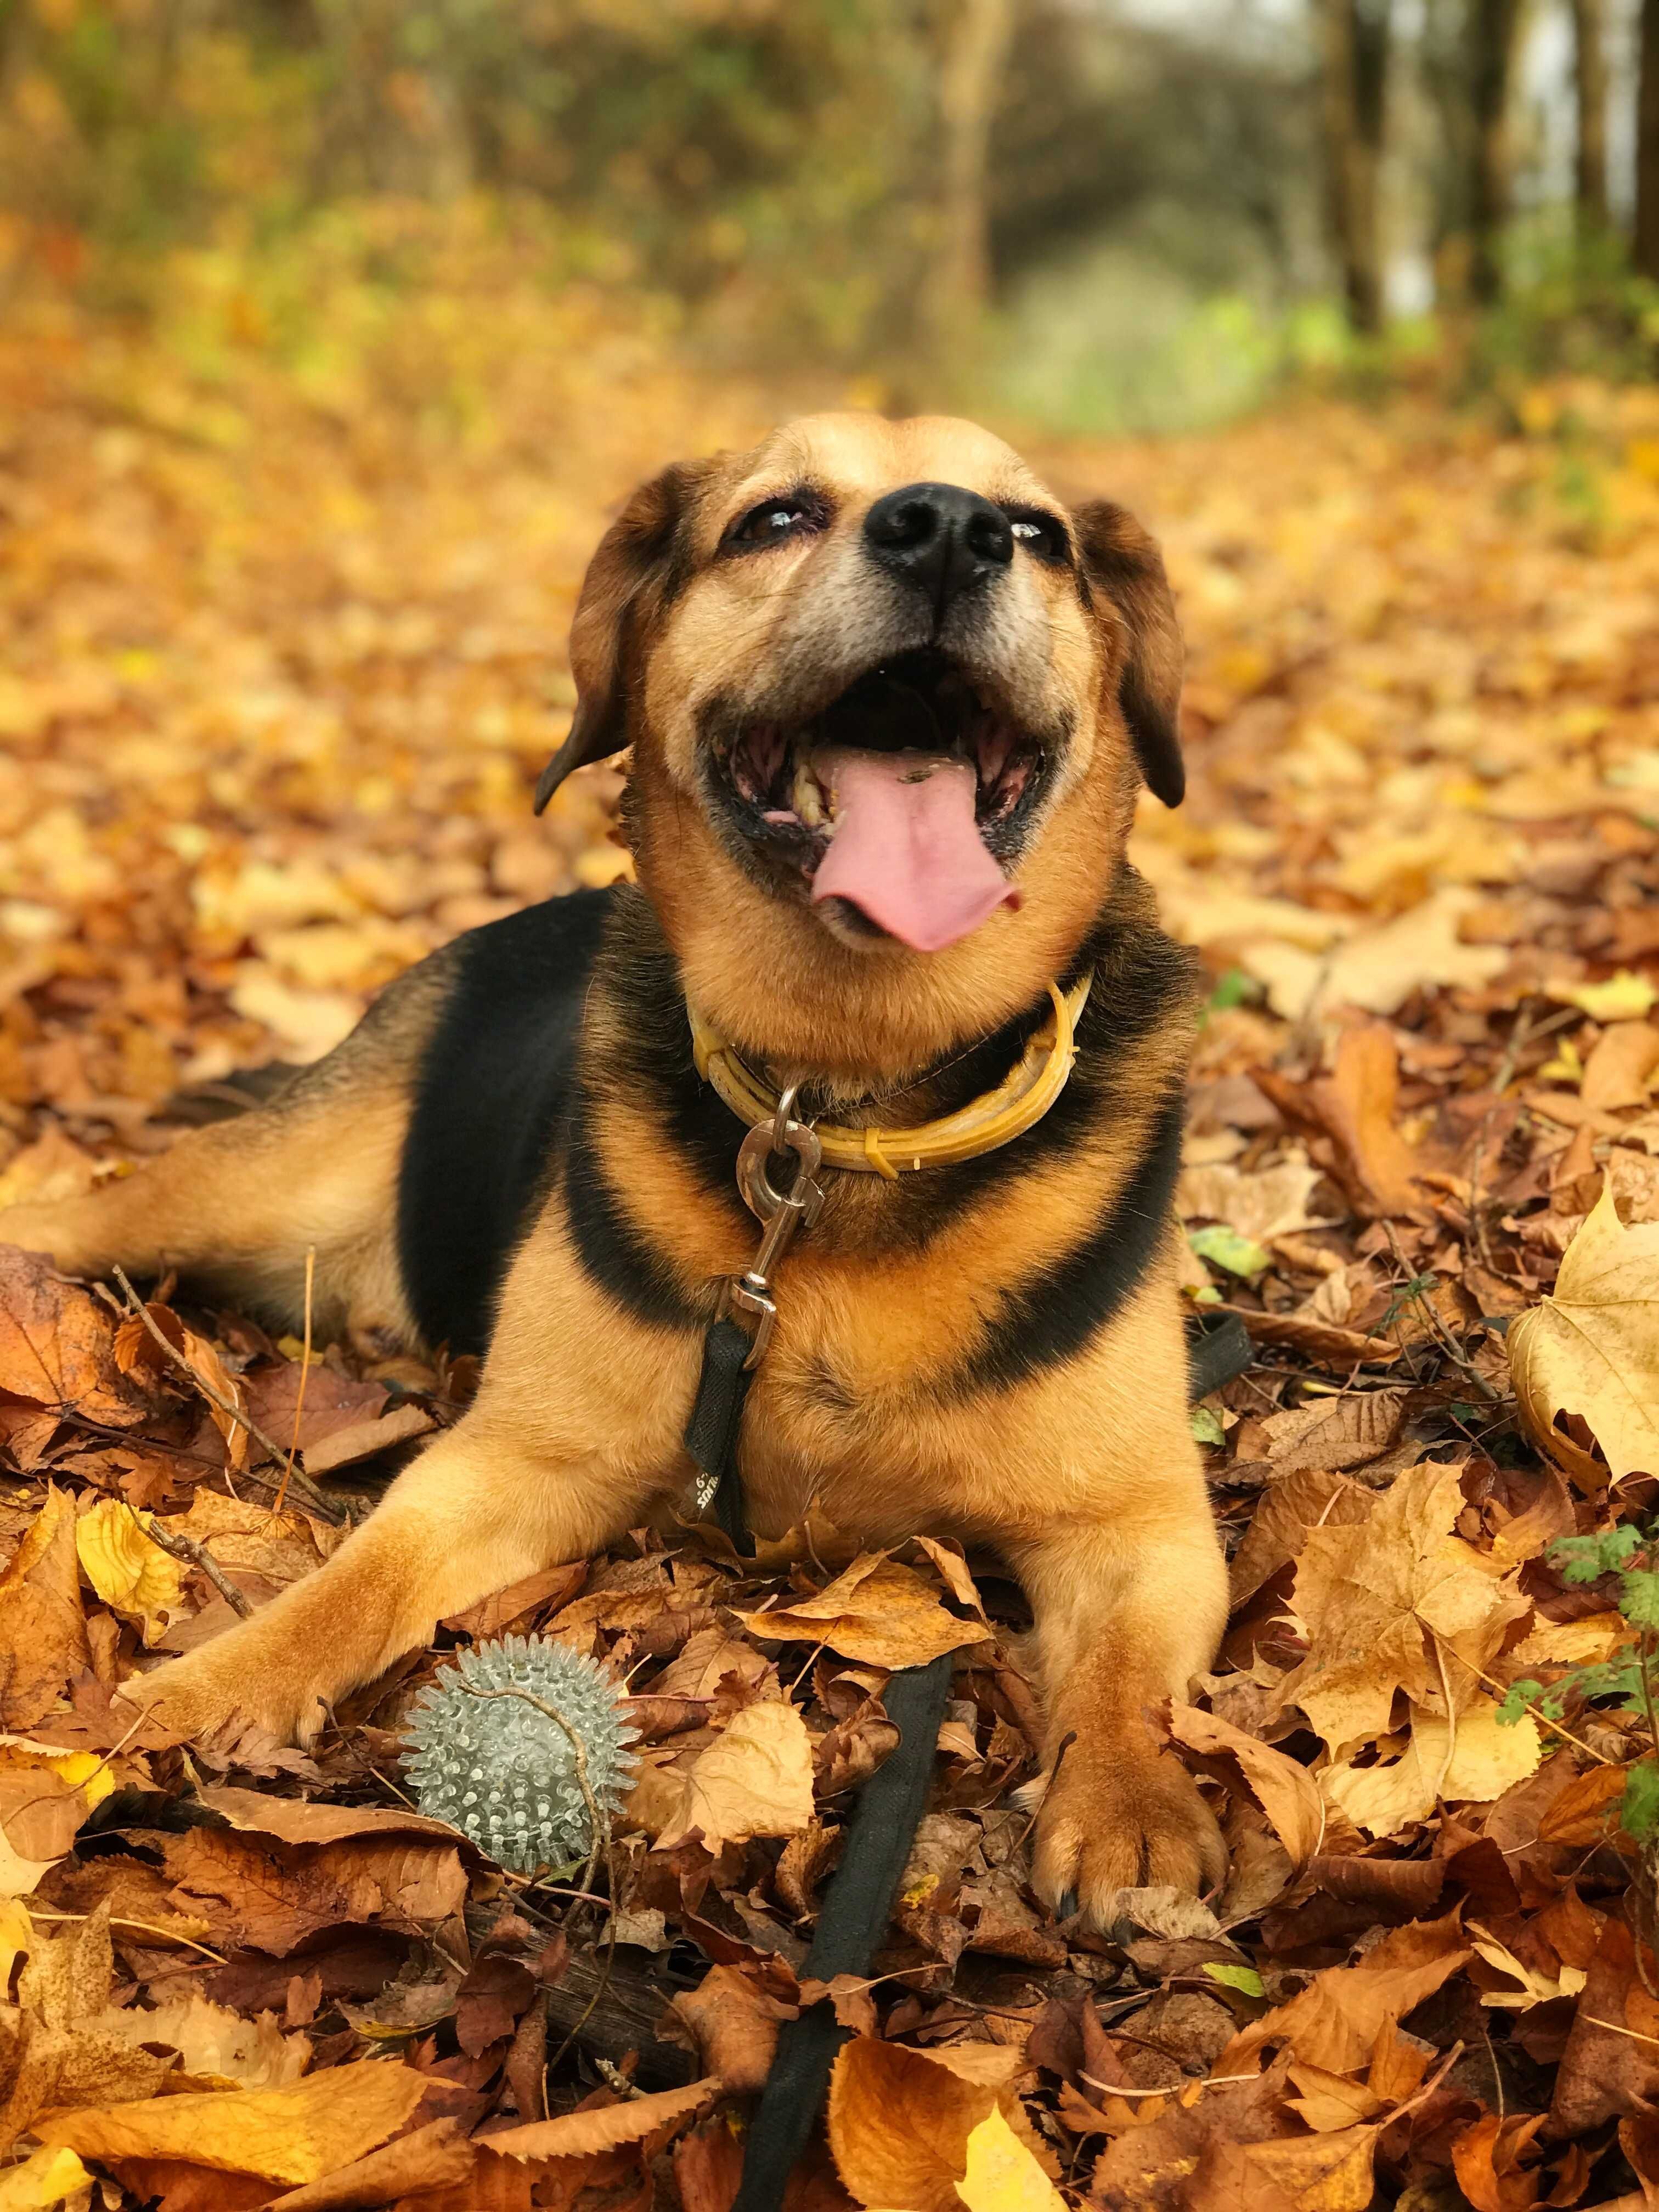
[{"x": 890, "y": 703}]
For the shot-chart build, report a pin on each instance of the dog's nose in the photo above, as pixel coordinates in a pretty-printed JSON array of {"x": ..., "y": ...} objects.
[{"x": 939, "y": 537}]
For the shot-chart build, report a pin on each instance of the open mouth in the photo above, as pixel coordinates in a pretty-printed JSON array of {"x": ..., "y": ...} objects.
[{"x": 899, "y": 799}]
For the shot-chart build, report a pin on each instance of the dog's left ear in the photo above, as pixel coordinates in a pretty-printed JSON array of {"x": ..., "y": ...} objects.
[
  {"x": 1123, "y": 564},
  {"x": 626, "y": 572}
]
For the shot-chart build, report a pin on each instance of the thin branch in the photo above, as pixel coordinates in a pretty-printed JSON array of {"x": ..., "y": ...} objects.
[{"x": 194, "y": 1554}]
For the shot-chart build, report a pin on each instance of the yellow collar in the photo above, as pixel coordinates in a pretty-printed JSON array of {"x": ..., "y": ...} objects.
[{"x": 995, "y": 1118}]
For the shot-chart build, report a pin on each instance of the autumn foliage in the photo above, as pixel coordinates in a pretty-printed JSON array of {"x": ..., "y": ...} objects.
[{"x": 282, "y": 656}]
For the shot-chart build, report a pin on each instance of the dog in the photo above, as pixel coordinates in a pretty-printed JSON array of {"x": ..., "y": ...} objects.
[{"x": 890, "y": 703}]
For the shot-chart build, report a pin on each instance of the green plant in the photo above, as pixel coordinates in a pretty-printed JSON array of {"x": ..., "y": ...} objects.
[{"x": 1631, "y": 1553}]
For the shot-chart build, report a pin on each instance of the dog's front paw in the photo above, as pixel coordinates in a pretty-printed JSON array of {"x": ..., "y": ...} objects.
[
  {"x": 1121, "y": 1815},
  {"x": 220, "y": 1687}
]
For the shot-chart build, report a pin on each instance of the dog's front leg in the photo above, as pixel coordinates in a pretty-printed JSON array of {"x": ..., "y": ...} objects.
[
  {"x": 479, "y": 1509},
  {"x": 1125, "y": 1613}
]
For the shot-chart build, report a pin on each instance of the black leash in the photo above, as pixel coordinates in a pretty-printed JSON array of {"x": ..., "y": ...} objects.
[{"x": 877, "y": 1843}]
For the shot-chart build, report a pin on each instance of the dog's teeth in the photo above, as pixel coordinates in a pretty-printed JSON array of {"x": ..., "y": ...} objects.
[{"x": 807, "y": 798}]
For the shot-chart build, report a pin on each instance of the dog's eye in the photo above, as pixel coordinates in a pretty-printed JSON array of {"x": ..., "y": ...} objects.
[
  {"x": 1040, "y": 533},
  {"x": 775, "y": 520}
]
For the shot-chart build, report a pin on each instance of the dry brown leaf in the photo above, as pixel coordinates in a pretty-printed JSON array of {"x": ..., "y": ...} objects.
[
  {"x": 1486, "y": 2158},
  {"x": 220, "y": 2048},
  {"x": 899, "y": 2123},
  {"x": 1337, "y": 2020},
  {"x": 1592, "y": 1348},
  {"x": 1330, "y": 1434},
  {"x": 1353, "y": 1110},
  {"x": 1291, "y": 1505},
  {"x": 1260, "y": 1203},
  {"x": 1389, "y": 1603},
  {"x": 755, "y": 1779},
  {"x": 1286, "y": 1791},
  {"x": 734, "y": 2025},
  {"x": 879, "y": 1612},
  {"x": 57, "y": 1344},
  {"x": 1610, "y": 2067},
  {"x": 1620, "y": 1063},
  {"x": 605, "y": 2127},
  {"x": 436, "y": 2156},
  {"x": 294, "y": 2134},
  {"x": 43, "y": 1630}
]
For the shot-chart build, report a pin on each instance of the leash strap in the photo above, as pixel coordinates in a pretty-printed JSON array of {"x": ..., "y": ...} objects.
[
  {"x": 712, "y": 1433},
  {"x": 849, "y": 1931}
]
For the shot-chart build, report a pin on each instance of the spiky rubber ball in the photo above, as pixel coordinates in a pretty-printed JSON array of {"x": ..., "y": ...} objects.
[{"x": 504, "y": 1773}]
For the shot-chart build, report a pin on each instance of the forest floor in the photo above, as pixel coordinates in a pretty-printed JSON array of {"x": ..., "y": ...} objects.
[{"x": 281, "y": 653}]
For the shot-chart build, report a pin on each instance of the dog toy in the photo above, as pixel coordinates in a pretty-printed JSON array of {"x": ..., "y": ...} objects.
[{"x": 498, "y": 1745}]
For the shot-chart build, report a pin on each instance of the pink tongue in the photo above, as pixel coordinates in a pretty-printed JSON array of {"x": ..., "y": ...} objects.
[{"x": 906, "y": 850}]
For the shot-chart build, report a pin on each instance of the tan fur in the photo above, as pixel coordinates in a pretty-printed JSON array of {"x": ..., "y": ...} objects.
[{"x": 1084, "y": 1475}]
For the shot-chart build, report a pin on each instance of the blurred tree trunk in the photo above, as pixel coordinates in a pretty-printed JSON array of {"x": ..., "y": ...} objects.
[
  {"x": 973, "y": 49},
  {"x": 1354, "y": 38},
  {"x": 1494, "y": 42},
  {"x": 1589, "y": 79},
  {"x": 1645, "y": 246}
]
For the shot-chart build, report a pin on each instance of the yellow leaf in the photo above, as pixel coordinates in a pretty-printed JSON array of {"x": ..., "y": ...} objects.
[
  {"x": 129, "y": 1571},
  {"x": 1592, "y": 1348},
  {"x": 877, "y": 1611},
  {"x": 1002, "y": 2175},
  {"x": 46, "y": 2179},
  {"x": 1486, "y": 1758},
  {"x": 1624, "y": 997},
  {"x": 294, "y": 2135}
]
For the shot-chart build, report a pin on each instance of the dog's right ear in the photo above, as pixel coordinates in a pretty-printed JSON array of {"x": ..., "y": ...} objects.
[{"x": 633, "y": 563}]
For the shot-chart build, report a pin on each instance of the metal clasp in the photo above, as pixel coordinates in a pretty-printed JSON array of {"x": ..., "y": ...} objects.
[{"x": 780, "y": 1213}]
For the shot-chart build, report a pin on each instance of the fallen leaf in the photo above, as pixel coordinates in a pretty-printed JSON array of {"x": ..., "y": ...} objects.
[
  {"x": 605, "y": 2127},
  {"x": 46, "y": 2179},
  {"x": 1338, "y": 2019},
  {"x": 221, "y": 2049},
  {"x": 1001, "y": 2175},
  {"x": 1350, "y": 1113},
  {"x": 1592, "y": 1348},
  {"x": 295, "y": 2135},
  {"x": 734, "y": 2025},
  {"x": 899, "y": 2121},
  {"x": 1623, "y": 998},
  {"x": 879, "y": 1612},
  {"x": 1260, "y": 1203},
  {"x": 43, "y": 1630},
  {"x": 1486, "y": 2160},
  {"x": 1286, "y": 1791},
  {"x": 436, "y": 2156},
  {"x": 1475, "y": 1766},
  {"x": 1378, "y": 1597},
  {"x": 57, "y": 1344},
  {"x": 127, "y": 1569},
  {"x": 755, "y": 1779},
  {"x": 1329, "y": 1434}
]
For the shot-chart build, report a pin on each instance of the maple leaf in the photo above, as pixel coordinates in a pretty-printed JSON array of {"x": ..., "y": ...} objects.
[
  {"x": 1383, "y": 1601},
  {"x": 1592, "y": 1348}
]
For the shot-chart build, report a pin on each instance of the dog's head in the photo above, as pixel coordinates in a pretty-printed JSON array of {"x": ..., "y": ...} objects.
[{"x": 890, "y": 700}]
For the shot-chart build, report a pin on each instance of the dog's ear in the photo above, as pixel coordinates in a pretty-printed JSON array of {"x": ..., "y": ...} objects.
[
  {"x": 1123, "y": 564},
  {"x": 632, "y": 563}
]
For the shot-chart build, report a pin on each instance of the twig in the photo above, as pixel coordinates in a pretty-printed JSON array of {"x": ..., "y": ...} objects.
[
  {"x": 1537, "y": 1711},
  {"x": 124, "y": 1920},
  {"x": 194, "y": 1554},
  {"x": 304, "y": 1376},
  {"x": 1437, "y": 1328},
  {"x": 273, "y": 1451}
]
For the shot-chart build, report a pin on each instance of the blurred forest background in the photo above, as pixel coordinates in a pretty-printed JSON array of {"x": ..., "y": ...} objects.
[{"x": 1096, "y": 214}]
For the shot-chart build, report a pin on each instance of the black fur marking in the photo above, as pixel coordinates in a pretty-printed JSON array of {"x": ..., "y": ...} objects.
[
  {"x": 613, "y": 1254},
  {"x": 1052, "y": 1319},
  {"x": 491, "y": 1100}
]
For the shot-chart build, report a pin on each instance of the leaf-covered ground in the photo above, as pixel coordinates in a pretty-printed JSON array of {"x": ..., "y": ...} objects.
[{"x": 280, "y": 654}]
